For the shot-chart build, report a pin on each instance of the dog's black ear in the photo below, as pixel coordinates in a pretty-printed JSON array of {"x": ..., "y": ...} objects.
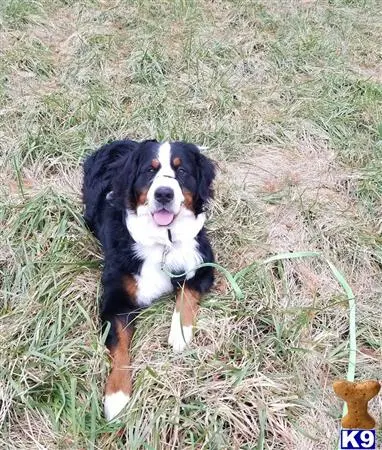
[
  {"x": 206, "y": 175},
  {"x": 123, "y": 194}
]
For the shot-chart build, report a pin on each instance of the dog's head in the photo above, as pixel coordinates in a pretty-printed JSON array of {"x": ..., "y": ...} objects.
[{"x": 163, "y": 179}]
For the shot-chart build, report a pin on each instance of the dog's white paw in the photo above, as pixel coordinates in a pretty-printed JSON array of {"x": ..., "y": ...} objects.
[
  {"x": 114, "y": 404},
  {"x": 179, "y": 336}
]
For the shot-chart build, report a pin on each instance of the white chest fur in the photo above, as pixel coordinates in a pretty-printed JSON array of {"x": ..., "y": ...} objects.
[
  {"x": 153, "y": 246},
  {"x": 153, "y": 280}
]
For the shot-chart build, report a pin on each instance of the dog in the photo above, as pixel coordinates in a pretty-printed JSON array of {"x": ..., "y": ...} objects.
[{"x": 145, "y": 202}]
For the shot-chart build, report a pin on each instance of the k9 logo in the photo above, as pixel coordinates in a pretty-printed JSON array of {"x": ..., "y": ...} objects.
[{"x": 357, "y": 439}]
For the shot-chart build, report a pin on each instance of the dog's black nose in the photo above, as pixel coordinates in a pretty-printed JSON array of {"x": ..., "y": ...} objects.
[{"x": 164, "y": 195}]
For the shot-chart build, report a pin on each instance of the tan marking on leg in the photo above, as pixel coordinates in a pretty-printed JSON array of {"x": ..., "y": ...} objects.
[
  {"x": 183, "y": 319},
  {"x": 120, "y": 376},
  {"x": 187, "y": 304}
]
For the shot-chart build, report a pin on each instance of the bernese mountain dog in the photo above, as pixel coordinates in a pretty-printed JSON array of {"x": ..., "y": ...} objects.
[{"x": 145, "y": 202}]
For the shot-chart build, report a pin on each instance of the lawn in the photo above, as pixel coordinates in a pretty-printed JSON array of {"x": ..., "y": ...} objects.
[{"x": 287, "y": 98}]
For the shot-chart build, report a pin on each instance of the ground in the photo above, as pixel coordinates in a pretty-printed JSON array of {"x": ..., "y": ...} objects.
[{"x": 287, "y": 98}]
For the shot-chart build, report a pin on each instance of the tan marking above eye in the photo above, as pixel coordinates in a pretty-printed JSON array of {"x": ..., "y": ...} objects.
[
  {"x": 155, "y": 163},
  {"x": 177, "y": 162}
]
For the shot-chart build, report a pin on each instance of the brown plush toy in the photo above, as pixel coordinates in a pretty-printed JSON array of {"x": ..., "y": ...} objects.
[{"x": 357, "y": 395}]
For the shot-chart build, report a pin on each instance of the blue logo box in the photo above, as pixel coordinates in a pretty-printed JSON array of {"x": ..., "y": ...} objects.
[{"x": 357, "y": 439}]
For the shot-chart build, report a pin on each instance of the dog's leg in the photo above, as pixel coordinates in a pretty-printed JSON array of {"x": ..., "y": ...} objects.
[
  {"x": 119, "y": 382},
  {"x": 183, "y": 318},
  {"x": 119, "y": 310}
]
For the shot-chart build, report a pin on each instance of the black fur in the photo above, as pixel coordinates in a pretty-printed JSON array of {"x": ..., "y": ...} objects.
[{"x": 124, "y": 167}]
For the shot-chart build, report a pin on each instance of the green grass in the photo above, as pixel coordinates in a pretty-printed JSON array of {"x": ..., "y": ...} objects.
[{"x": 287, "y": 97}]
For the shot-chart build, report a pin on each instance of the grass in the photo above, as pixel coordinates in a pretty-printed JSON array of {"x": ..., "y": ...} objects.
[{"x": 287, "y": 97}]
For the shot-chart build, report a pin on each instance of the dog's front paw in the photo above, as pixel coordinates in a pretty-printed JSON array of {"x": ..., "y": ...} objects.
[
  {"x": 114, "y": 404},
  {"x": 180, "y": 336}
]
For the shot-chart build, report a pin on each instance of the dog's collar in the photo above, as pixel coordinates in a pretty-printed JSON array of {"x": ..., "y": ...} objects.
[{"x": 166, "y": 250}]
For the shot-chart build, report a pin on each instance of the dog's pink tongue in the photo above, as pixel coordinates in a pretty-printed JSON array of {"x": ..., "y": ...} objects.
[{"x": 163, "y": 217}]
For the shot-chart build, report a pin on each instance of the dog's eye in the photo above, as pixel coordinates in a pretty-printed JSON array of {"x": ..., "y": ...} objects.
[
  {"x": 180, "y": 171},
  {"x": 151, "y": 170}
]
